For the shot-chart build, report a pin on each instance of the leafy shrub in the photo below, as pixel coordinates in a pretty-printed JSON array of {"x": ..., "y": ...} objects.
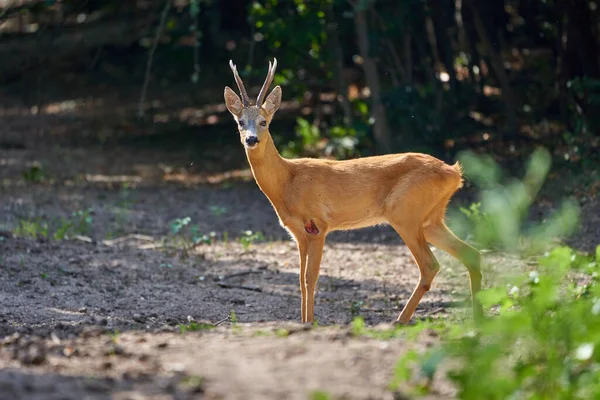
[
  {"x": 542, "y": 340},
  {"x": 499, "y": 220}
]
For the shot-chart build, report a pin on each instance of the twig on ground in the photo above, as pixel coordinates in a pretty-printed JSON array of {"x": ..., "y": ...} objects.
[
  {"x": 161, "y": 26},
  {"x": 134, "y": 236},
  {"x": 345, "y": 284},
  {"x": 228, "y": 318},
  {"x": 82, "y": 238},
  {"x": 243, "y": 287},
  {"x": 242, "y": 273}
]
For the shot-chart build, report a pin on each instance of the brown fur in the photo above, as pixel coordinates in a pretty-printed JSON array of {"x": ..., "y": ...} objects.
[{"x": 410, "y": 191}]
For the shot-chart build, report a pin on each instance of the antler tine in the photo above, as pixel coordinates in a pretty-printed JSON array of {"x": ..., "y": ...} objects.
[
  {"x": 238, "y": 80},
  {"x": 268, "y": 81}
]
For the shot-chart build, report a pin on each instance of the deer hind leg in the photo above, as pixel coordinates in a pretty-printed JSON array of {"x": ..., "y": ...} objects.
[
  {"x": 413, "y": 237},
  {"x": 441, "y": 237},
  {"x": 410, "y": 211}
]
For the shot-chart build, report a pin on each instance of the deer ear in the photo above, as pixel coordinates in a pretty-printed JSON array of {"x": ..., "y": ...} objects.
[
  {"x": 273, "y": 101},
  {"x": 233, "y": 102}
]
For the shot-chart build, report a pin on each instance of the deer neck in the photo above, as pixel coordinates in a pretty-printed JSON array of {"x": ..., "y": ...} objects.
[{"x": 270, "y": 170}]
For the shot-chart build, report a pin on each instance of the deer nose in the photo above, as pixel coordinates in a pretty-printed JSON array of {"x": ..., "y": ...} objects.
[{"x": 251, "y": 140}]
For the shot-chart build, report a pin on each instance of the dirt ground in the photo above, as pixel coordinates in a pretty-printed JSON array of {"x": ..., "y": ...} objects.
[{"x": 99, "y": 313}]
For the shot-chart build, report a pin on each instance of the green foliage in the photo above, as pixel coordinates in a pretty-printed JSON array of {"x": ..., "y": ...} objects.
[
  {"x": 341, "y": 142},
  {"x": 358, "y": 328},
  {"x": 249, "y": 237},
  {"x": 35, "y": 174},
  {"x": 585, "y": 92},
  {"x": 498, "y": 219},
  {"x": 194, "y": 326},
  {"x": 188, "y": 236},
  {"x": 541, "y": 339},
  {"x": 193, "y": 383},
  {"x": 79, "y": 223},
  {"x": 218, "y": 210},
  {"x": 542, "y": 343},
  {"x": 233, "y": 317},
  {"x": 279, "y": 22},
  {"x": 31, "y": 228},
  {"x": 319, "y": 395},
  {"x": 355, "y": 307}
]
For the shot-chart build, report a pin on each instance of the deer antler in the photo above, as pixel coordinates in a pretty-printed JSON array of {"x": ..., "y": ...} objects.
[
  {"x": 238, "y": 80},
  {"x": 268, "y": 81}
]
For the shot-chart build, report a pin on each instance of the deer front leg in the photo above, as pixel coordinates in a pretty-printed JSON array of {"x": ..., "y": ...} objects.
[
  {"x": 302, "y": 250},
  {"x": 313, "y": 265}
]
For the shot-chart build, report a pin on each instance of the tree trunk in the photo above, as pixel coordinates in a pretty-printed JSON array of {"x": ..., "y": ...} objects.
[
  {"x": 510, "y": 103},
  {"x": 442, "y": 16},
  {"x": 341, "y": 86},
  {"x": 581, "y": 53},
  {"x": 382, "y": 133}
]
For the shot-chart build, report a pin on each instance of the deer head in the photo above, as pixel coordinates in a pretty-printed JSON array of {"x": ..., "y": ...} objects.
[{"x": 253, "y": 119}]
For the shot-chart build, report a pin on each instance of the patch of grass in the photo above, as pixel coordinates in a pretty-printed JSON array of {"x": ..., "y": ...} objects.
[
  {"x": 193, "y": 383},
  {"x": 281, "y": 332},
  {"x": 194, "y": 326},
  {"x": 114, "y": 336},
  {"x": 233, "y": 317},
  {"x": 218, "y": 210},
  {"x": 31, "y": 228},
  {"x": 36, "y": 173},
  {"x": 358, "y": 329},
  {"x": 79, "y": 223},
  {"x": 186, "y": 236},
  {"x": 319, "y": 395},
  {"x": 262, "y": 332}
]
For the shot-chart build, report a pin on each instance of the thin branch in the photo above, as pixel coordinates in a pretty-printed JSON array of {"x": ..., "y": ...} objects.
[
  {"x": 396, "y": 59},
  {"x": 112, "y": 242},
  {"x": 196, "y": 51},
  {"x": 242, "y": 273},
  {"x": 243, "y": 287},
  {"x": 228, "y": 318},
  {"x": 161, "y": 26}
]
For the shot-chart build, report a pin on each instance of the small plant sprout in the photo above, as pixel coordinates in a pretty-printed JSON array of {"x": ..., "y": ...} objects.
[{"x": 249, "y": 237}]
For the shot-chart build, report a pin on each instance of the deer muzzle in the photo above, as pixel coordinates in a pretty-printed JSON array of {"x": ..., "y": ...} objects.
[{"x": 251, "y": 140}]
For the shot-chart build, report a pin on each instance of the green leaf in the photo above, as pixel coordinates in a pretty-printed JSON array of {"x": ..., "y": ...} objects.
[
  {"x": 403, "y": 372},
  {"x": 491, "y": 297},
  {"x": 431, "y": 363}
]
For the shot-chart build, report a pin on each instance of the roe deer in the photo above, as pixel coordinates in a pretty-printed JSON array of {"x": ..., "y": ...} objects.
[{"x": 313, "y": 197}]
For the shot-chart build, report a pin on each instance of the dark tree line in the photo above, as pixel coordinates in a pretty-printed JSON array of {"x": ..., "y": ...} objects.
[{"x": 376, "y": 74}]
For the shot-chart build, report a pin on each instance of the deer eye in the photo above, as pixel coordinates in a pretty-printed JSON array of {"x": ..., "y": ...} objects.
[
  {"x": 241, "y": 123},
  {"x": 263, "y": 123}
]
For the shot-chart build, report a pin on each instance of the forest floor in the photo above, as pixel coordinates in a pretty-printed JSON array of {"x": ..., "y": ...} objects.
[{"x": 104, "y": 302}]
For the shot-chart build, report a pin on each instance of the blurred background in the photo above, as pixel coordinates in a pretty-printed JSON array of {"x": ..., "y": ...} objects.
[
  {"x": 359, "y": 76},
  {"x": 112, "y": 93}
]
